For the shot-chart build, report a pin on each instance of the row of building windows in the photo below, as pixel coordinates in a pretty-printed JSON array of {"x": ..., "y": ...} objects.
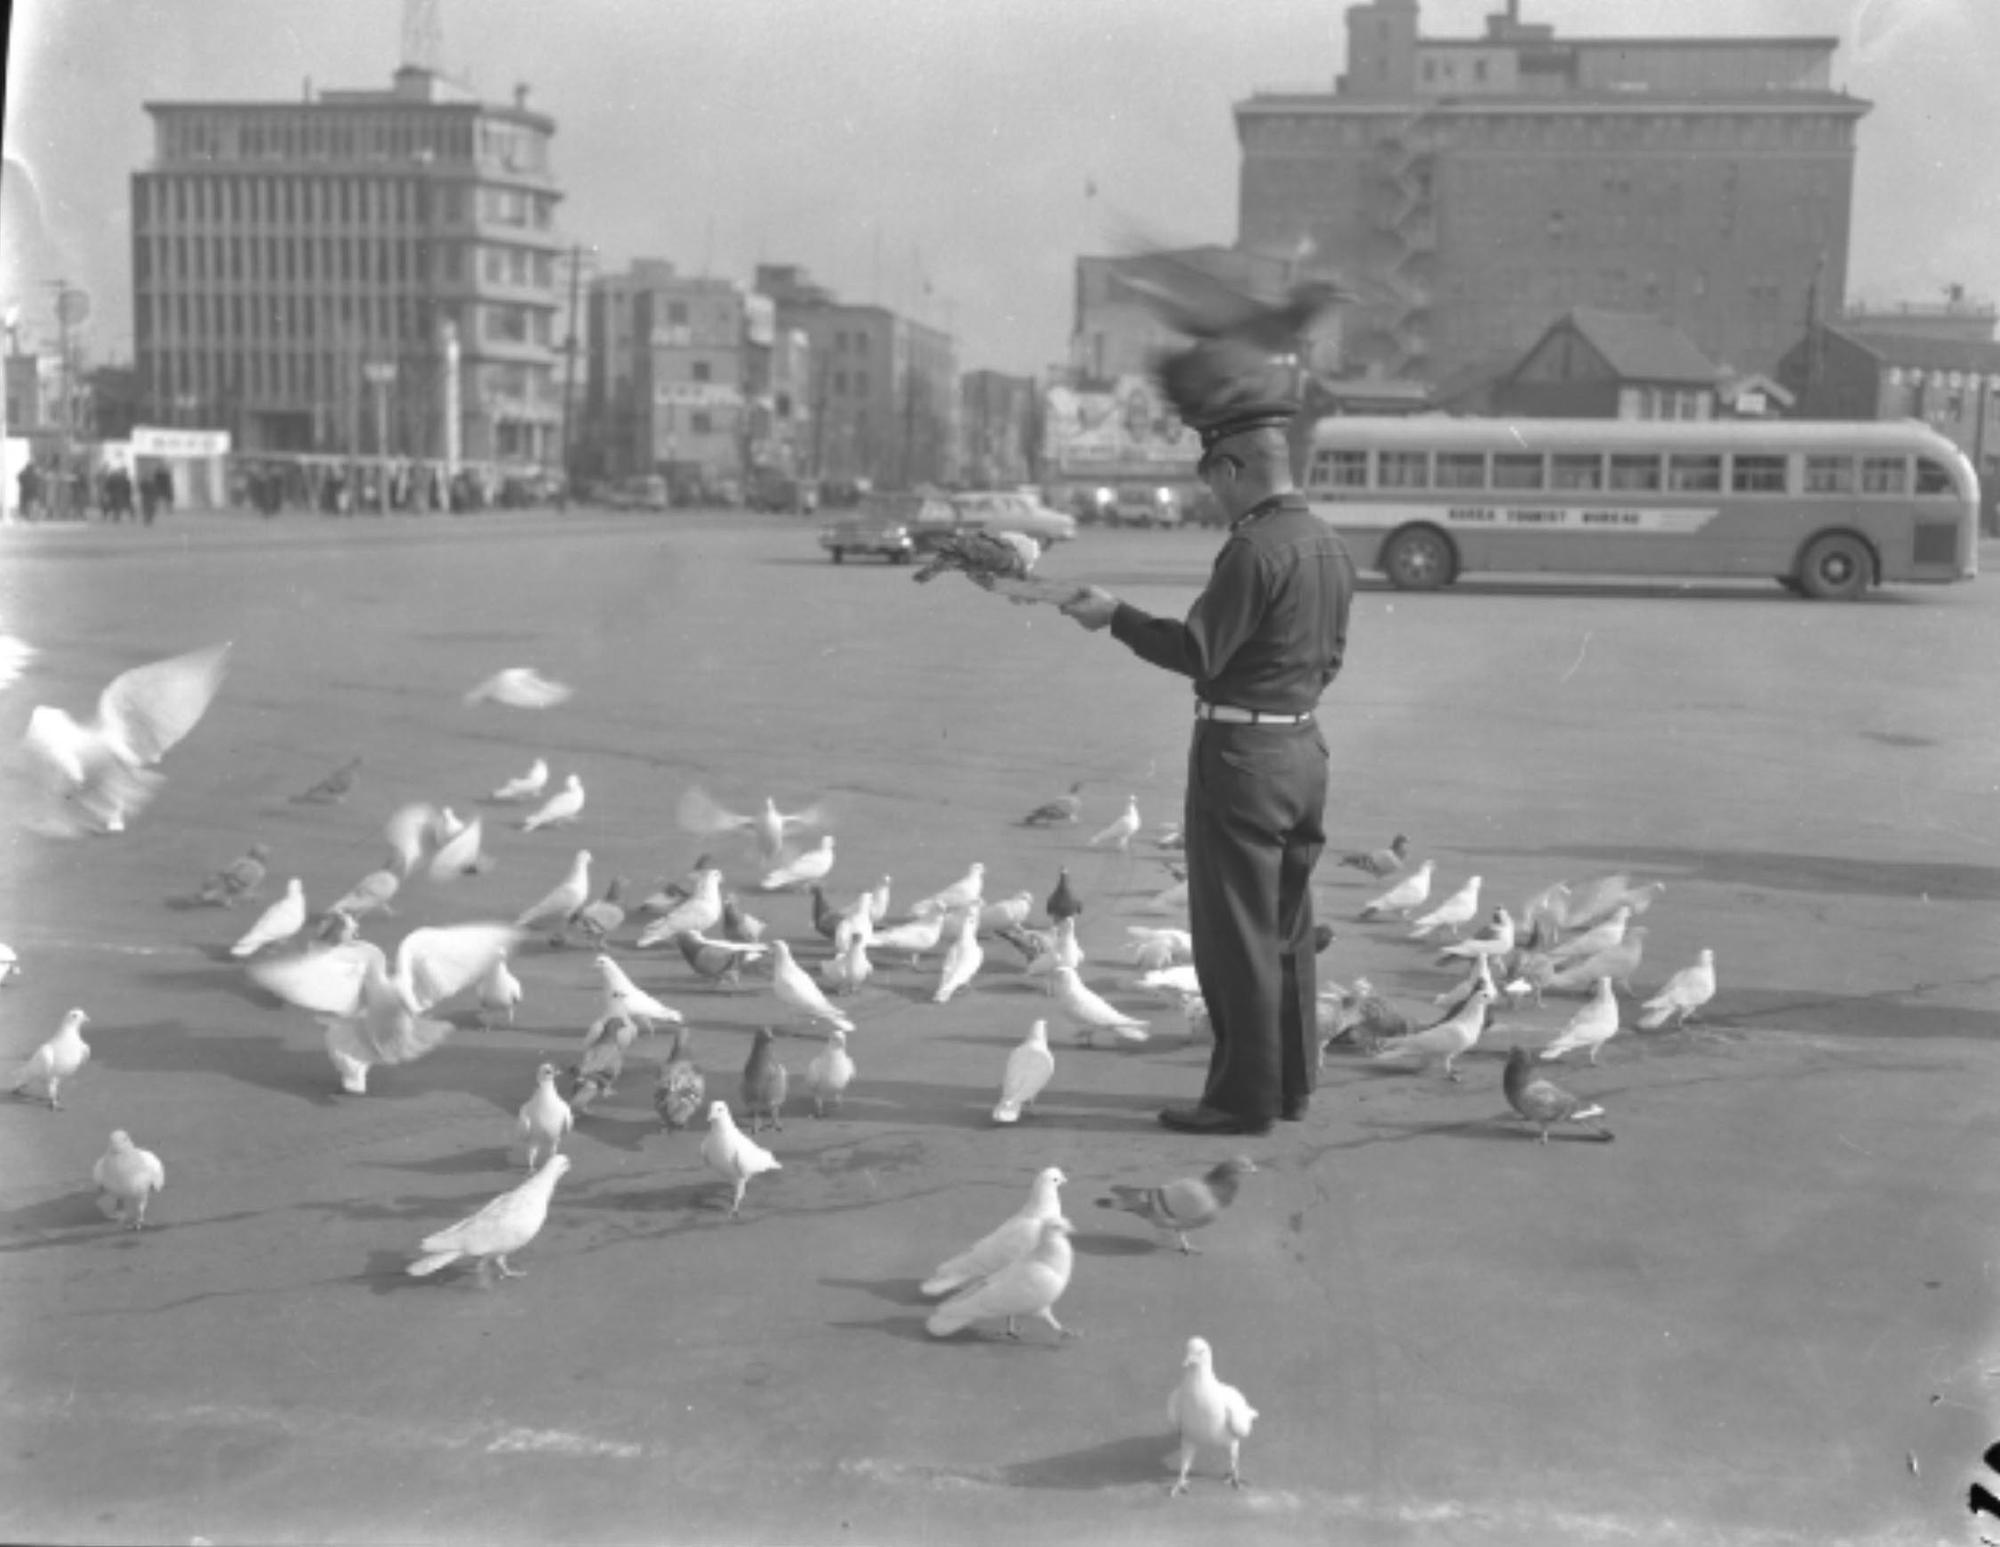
[
  {"x": 204, "y": 380},
  {"x": 844, "y": 341},
  {"x": 321, "y": 135},
  {"x": 1443, "y": 130},
  {"x": 184, "y": 318},
  {"x": 167, "y": 262},
  {"x": 842, "y": 381},
  {"x": 292, "y": 201},
  {"x": 1672, "y": 472}
]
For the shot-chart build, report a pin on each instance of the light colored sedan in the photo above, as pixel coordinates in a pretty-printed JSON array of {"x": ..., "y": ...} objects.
[{"x": 1024, "y": 513}]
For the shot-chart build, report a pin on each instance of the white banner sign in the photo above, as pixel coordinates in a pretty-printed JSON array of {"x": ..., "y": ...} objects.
[
  {"x": 148, "y": 441},
  {"x": 1635, "y": 519}
]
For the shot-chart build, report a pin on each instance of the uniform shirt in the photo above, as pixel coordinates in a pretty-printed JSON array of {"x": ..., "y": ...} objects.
[{"x": 1269, "y": 630}]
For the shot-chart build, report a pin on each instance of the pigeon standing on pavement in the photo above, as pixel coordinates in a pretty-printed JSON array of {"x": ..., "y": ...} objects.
[
  {"x": 1450, "y": 1039},
  {"x": 601, "y": 1063},
  {"x": 1006, "y": 913},
  {"x": 701, "y": 911},
  {"x": 526, "y": 787},
  {"x": 334, "y": 788},
  {"x": 496, "y": 1232},
  {"x": 1187, "y": 1203},
  {"x": 43, "y": 1071},
  {"x": 966, "y": 891},
  {"x": 799, "y": 993},
  {"x": 915, "y": 936},
  {"x": 1543, "y": 1102},
  {"x": 848, "y": 968},
  {"x": 1457, "y": 909},
  {"x": 1208, "y": 1413},
  {"x": 766, "y": 1082},
  {"x": 1064, "y": 808},
  {"x": 1090, "y": 1014},
  {"x": 554, "y": 910},
  {"x": 1591, "y": 1027},
  {"x": 1120, "y": 833},
  {"x": 499, "y": 990},
  {"x": 461, "y": 854},
  {"x": 1063, "y": 903},
  {"x": 730, "y": 1154},
  {"x": 1682, "y": 994},
  {"x": 236, "y": 880},
  {"x": 1030, "y": 1066},
  {"x": 283, "y": 919},
  {"x": 802, "y": 870},
  {"x": 962, "y": 961},
  {"x": 717, "y": 961},
  {"x": 371, "y": 894},
  {"x": 1030, "y": 1286},
  {"x": 1407, "y": 895},
  {"x": 624, "y": 997},
  {"x": 520, "y": 687},
  {"x": 561, "y": 808},
  {"x": 681, "y": 1091},
  {"x": 1496, "y": 939},
  {"x": 830, "y": 1073},
  {"x": 1381, "y": 863},
  {"x": 127, "y": 1177},
  {"x": 1008, "y": 1243},
  {"x": 545, "y": 1119},
  {"x": 1599, "y": 937}
]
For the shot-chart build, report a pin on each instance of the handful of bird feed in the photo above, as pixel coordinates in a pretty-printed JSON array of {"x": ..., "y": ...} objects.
[{"x": 996, "y": 561}]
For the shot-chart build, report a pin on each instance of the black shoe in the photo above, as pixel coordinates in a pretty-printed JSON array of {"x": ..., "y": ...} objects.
[
  {"x": 1294, "y": 1110},
  {"x": 1212, "y": 1120}
]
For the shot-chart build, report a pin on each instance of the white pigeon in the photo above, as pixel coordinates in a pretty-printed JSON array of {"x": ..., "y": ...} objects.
[
  {"x": 15, "y": 653},
  {"x": 408, "y": 829},
  {"x": 878, "y": 900},
  {"x": 446, "y": 825},
  {"x": 461, "y": 854},
  {"x": 1155, "y": 948},
  {"x": 1029, "y": 1068},
  {"x": 624, "y": 997},
  {"x": 1209, "y": 1414},
  {"x": 965, "y": 891},
  {"x": 1119, "y": 833},
  {"x": 1007, "y": 913},
  {"x": 1172, "y": 984},
  {"x": 802, "y": 870},
  {"x": 519, "y": 687},
  {"x": 283, "y": 919},
  {"x": 1547, "y": 909},
  {"x": 10, "y": 965},
  {"x": 103, "y": 766},
  {"x": 1594, "y": 900},
  {"x": 1682, "y": 994},
  {"x": 374, "y": 1015},
  {"x": 496, "y": 1232},
  {"x": 525, "y": 787},
  {"x": 1407, "y": 895},
  {"x": 1450, "y": 1039},
  {"x": 1579, "y": 974},
  {"x": 700, "y": 813},
  {"x": 1195, "y": 1017},
  {"x": 1599, "y": 937},
  {"x": 43, "y": 1071},
  {"x": 846, "y": 970},
  {"x": 1591, "y": 1027},
  {"x": 562, "y": 807},
  {"x": 1089, "y": 1014},
  {"x": 545, "y": 1119},
  {"x": 1064, "y": 951},
  {"x": 697, "y": 913},
  {"x": 857, "y": 919},
  {"x": 1007, "y": 1244},
  {"x": 127, "y": 1177},
  {"x": 797, "y": 991},
  {"x": 913, "y": 935},
  {"x": 1459, "y": 908},
  {"x": 370, "y": 894},
  {"x": 830, "y": 1073},
  {"x": 728, "y": 1152},
  {"x": 962, "y": 961},
  {"x": 498, "y": 990},
  {"x": 1029, "y": 1286},
  {"x": 569, "y": 894},
  {"x": 1496, "y": 939}
]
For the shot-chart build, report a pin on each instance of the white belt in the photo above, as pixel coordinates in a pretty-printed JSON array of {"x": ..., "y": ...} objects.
[{"x": 1229, "y": 714}]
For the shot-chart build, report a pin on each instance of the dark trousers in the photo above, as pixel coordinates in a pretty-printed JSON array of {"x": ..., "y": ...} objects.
[{"x": 1255, "y": 794}]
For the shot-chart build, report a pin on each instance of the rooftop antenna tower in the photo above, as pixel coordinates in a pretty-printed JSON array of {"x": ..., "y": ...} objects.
[{"x": 423, "y": 35}]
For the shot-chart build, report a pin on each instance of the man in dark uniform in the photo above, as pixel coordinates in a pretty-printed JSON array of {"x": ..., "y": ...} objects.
[{"x": 1261, "y": 643}]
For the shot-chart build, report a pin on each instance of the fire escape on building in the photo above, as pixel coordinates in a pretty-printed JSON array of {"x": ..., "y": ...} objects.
[{"x": 1396, "y": 333}]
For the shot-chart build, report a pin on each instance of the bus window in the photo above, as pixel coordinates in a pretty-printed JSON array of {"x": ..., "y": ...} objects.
[
  {"x": 1404, "y": 469},
  {"x": 1932, "y": 477},
  {"x": 1341, "y": 469},
  {"x": 1884, "y": 475},
  {"x": 1757, "y": 475},
  {"x": 1517, "y": 470},
  {"x": 1461, "y": 469},
  {"x": 1571, "y": 471},
  {"x": 1634, "y": 470},
  {"x": 1829, "y": 475},
  {"x": 1694, "y": 472}
]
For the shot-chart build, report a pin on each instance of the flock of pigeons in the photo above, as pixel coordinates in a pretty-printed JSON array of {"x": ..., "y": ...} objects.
[{"x": 380, "y": 1009}]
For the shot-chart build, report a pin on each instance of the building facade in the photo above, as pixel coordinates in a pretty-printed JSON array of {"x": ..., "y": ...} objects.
[
  {"x": 1475, "y": 189},
  {"x": 883, "y": 395},
  {"x": 1000, "y": 422},
  {"x": 1607, "y": 365},
  {"x": 368, "y": 272}
]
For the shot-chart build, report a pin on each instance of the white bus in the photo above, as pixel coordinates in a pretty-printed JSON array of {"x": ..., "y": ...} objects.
[{"x": 1825, "y": 509}]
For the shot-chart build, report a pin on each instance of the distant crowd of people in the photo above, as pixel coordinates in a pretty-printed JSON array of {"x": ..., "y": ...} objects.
[{"x": 112, "y": 494}]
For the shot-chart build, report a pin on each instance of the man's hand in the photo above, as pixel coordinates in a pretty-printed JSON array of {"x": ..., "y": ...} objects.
[{"x": 1092, "y": 607}]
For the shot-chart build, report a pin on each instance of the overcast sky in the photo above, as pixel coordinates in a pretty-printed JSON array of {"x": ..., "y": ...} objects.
[{"x": 887, "y": 145}]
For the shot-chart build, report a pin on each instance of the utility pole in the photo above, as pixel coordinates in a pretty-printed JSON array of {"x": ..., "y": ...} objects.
[{"x": 569, "y": 367}]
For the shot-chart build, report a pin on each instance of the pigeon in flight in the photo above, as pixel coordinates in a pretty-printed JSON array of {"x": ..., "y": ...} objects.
[{"x": 519, "y": 687}]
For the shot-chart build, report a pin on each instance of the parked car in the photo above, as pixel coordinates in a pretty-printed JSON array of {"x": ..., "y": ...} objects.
[
  {"x": 1012, "y": 512},
  {"x": 1136, "y": 504},
  {"x": 888, "y": 525},
  {"x": 646, "y": 491}
]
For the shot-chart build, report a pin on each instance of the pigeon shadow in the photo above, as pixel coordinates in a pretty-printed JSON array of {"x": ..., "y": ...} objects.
[
  {"x": 224, "y": 976},
  {"x": 1106, "y": 1244},
  {"x": 910, "y": 1329},
  {"x": 1143, "y": 1458},
  {"x": 250, "y": 1058},
  {"x": 617, "y": 1130},
  {"x": 1781, "y": 871},
  {"x": 1483, "y": 1128},
  {"x": 907, "y": 1292},
  {"x": 388, "y": 1272},
  {"x": 53, "y": 1222},
  {"x": 713, "y": 1193},
  {"x": 479, "y": 1162}
]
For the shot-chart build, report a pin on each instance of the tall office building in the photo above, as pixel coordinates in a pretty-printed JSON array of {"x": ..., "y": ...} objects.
[
  {"x": 1477, "y": 188},
  {"x": 361, "y": 271}
]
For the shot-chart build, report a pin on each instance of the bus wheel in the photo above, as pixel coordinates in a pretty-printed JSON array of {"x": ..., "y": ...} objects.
[
  {"x": 1418, "y": 558},
  {"x": 1836, "y": 568}
]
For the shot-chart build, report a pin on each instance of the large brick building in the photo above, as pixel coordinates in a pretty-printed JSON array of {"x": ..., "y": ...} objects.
[
  {"x": 1477, "y": 188},
  {"x": 349, "y": 272}
]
